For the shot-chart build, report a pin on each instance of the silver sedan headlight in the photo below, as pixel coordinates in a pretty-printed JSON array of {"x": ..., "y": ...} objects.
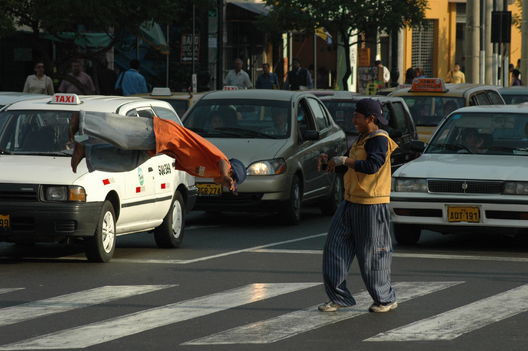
[
  {"x": 411, "y": 185},
  {"x": 516, "y": 188},
  {"x": 267, "y": 167}
]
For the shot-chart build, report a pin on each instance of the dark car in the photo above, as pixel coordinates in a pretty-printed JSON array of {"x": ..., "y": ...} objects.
[{"x": 401, "y": 127}]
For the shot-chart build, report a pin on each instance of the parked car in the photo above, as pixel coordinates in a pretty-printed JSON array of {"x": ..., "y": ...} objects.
[
  {"x": 41, "y": 199},
  {"x": 278, "y": 135},
  {"x": 430, "y": 100},
  {"x": 401, "y": 126},
  {"x": 472, "y": 177},
  {"x": 514, "y": 95},
  {"x": 9, "y": 97}
]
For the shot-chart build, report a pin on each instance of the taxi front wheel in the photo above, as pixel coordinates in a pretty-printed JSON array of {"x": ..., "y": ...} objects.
[
  {"x": 101, "y": 247},
  {"x": 406, "y": 234},
  {"x": 170, "y": 233}
]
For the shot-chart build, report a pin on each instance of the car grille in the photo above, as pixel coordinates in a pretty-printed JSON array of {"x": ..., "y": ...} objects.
[
  {"x": 465, "y": 186},
  {"x": 18, "y": 192}
]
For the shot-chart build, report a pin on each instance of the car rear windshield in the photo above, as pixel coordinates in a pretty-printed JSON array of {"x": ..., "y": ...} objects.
[
  {"x": 240, "y": 118},
  {"x": 515, "y": 99},
  {"x": 429, "y": 110},
  {"x": 34, "y": 132},
  {"x": 487, "y": 133},
  {"x": 342, "y": 112}
]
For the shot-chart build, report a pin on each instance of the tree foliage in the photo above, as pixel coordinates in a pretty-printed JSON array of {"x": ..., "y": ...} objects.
[{"x": 345, "y": 17}]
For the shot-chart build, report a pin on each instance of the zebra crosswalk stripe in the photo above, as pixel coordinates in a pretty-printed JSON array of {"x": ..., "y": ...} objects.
[
  {"x": 291, "y": 324},
  {"x": 115, "y": 328},
  {"x": 63, "y": 303},
  {"x": 454, "y": 323},
  {"x": 8, "y": 290}
]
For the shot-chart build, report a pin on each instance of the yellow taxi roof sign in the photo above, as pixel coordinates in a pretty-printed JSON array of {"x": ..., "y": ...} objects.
[
  {"x": 65, "y": 99},
  {"x": 436, "y": 85}
]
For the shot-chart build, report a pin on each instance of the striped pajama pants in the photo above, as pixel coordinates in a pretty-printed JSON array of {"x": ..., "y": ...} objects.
[{"x": 360, "y": 231}]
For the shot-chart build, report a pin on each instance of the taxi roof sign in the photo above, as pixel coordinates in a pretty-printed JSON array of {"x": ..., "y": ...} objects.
[
  {"x": 65, "y": 99},
  {"x": 430, "y": 85},
  {"x": 159, "y": 91}
]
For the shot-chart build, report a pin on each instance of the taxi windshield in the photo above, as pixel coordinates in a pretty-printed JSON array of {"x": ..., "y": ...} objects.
[
  {"x": 264, "y": 119},
  {"x": 482, "y": 133},
  {"x": 429, "y": 110},
  {"x": 34, "y": 132},
  {"x": 515, "y": 99}
]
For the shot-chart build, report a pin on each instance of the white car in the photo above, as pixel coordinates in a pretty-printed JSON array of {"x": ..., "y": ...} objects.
[
  {"x": 41, "y": 199},
  {"x": 9, "y": 97},
  {"x": 473, "y": 176}
]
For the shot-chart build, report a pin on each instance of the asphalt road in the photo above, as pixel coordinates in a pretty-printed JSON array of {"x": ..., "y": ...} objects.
[{"x": 241, "y": 282}]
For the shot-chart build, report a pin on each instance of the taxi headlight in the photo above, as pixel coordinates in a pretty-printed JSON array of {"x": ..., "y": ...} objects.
[
  {"x": 64, "y": 193},
  {"x": 410, "y": 185},
  {"x": 267, "y": 167},
  {"x": 516, "y": 188}
]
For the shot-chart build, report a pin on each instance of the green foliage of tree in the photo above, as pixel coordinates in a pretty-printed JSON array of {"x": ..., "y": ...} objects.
[{"x": 345, "y": 17}]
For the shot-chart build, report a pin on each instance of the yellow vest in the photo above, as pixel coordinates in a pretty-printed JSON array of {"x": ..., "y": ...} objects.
[{"x": 369, "y": 189}]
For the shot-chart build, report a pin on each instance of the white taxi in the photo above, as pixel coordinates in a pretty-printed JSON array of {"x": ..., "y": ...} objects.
[
  {"x": 473, "y": 176},
  {"x": 41, "y": 199}
]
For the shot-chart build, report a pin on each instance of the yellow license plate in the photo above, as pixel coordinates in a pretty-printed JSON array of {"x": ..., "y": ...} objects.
[
  {"x": 209, "y": 189},
  {"x": 463, "y": 214},
  {"x": 5, "y": 222}
]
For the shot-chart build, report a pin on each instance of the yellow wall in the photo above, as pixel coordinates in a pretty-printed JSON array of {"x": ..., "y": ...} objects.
[
  {"x": 444, "y": 13},
  {"x": 515, "y": 45}
]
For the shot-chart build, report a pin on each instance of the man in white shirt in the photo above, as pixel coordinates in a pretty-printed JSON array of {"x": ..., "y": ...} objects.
[{"x": 238, "y": 77}]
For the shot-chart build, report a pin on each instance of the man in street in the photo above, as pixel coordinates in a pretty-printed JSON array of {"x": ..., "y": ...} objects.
[
  {"x": 77, "y": 82},
  {"x": 238, "y": 77},
  {"x": 267, "y": 80},
  {"x": 382, "y": 74},
  {"x": 360, "y": 226},
  {"x": 456, "y": 76},
  {"x": 131, "y": 82},
  {"x": 298, "y": 78},
  {"x": 131, "y": 141}
]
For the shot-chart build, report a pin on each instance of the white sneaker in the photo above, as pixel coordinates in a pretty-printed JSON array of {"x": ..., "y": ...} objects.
[
  {"x": 379, "y": 308},
  {"x": 330, "y": 307}
]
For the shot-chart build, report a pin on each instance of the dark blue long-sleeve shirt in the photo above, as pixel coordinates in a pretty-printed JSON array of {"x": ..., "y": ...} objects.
[{"x": 376, "y": 149}]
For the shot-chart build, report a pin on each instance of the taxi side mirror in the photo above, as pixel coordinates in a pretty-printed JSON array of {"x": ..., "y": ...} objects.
[
  {"x": 417, "y": 146},
  {"x": 310, "y": 134}
]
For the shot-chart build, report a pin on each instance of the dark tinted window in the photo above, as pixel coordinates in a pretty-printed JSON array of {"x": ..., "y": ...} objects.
[
  {"x": 482, "y": 99},
  {"x": 342, "y": 113},
  {"x": 429, "y": 110},
  {"x": 495, "y": 97},
  {"x": 320, "y": 117},
  {"x": 147, "y": 113},
  {"x": 400, "y": 121},
  {"x": 515, "y": 99}
]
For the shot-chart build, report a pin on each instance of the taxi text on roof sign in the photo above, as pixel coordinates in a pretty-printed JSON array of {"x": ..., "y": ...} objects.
[
  {"x": 65, "y": 99},
  {"x": 428, "y": 85}
]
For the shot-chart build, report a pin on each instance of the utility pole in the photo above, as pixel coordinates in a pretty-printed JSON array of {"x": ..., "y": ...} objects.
[
  {"x": 524, "y": 47},
  {"x": 220, "y": 45},
  {"x": 490, "y": 68},
  {"x": 482, "y": 42},
  {"x": 472, "y": 41}
]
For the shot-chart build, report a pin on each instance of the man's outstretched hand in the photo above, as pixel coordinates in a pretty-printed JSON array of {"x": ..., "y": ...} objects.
[{"x": 226, "y": 181}]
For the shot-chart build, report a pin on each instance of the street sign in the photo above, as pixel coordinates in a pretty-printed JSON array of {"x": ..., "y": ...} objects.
[
  {"x": 501, "y": 22},
  {"x": 187, "y": 48}
]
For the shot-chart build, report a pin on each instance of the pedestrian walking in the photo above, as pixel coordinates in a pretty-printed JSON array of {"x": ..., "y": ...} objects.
[
  {"x": 268, "y": 79},
  {"x": 382, "y": 74},
  {"x": 516, "y": 78},
  {"x": 38, "y": 83},
  {"x": 238, "y": 77},
  {"x": 77, "y": 82},
  {"x": 298, "y": 78},
  {"x": 131, "y": 141},
  {"x": 360, "y": 226},
  {"x": 456, "y": 76},
  {"x": 131, "y": 82}
]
